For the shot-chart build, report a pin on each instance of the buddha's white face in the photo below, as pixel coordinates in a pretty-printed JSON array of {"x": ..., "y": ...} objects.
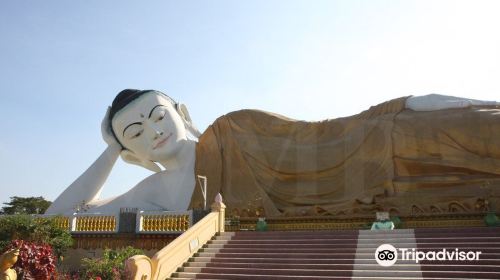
[{"x": 150, "y": 127}]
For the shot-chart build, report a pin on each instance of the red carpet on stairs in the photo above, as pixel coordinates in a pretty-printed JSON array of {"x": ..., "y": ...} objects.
[
  {"x": 343, "y": 254},
  {"x": 486, "y": 240}
]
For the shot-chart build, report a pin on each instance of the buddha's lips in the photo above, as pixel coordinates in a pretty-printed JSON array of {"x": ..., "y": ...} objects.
[{"x": 162, "y": 142}]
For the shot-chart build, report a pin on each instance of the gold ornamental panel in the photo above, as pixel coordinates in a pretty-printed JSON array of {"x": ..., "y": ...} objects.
[
  {"x": 96, "y": 224},
  {"x": 165, "y": 223}
]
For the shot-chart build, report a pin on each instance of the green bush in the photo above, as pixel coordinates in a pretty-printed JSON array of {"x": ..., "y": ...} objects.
[
  {"x": 41, "y": 231},
  {"x": 111, "y": 265}
]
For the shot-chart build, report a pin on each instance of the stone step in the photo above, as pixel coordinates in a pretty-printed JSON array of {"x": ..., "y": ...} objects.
[
  {"x": 310, "y": 255},
  {"x": 458, "y": 229},
  {"x": 411, "y": 266},
  {"x": 406, "y": 244},
  {"x": 478, "y": 237},
  {"x": 477, "y": 245},
  {"x": 456, "y": 234},
  {"x": 279, "y": 255},
  {"x": 273, "y": 260},
  {"x": 205, "y": 276},
  {"x": 395, "y": 231},
  {"x": 301, "y": 237},
  {"x": 239, "y": 273},
  {"x": 355, "y": 240},
  {"x": 369, "y": 260},
  {"x": 314, "y": 232},
  {"x": 462, "y": 232},
  {"x": 292, "y": 249},
  {"x": 333, "y": 278}
]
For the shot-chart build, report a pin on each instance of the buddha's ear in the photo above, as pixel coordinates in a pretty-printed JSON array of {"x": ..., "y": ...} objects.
[
  {"x": 184, "y": 113},
  {"x": 130, "y": 157}
]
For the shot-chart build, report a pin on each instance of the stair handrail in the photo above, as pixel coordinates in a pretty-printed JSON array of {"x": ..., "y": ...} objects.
[{"x": 167, "y": 260}]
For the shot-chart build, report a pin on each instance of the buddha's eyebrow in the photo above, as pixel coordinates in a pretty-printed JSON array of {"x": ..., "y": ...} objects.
[
  {"x": 130, "y": 126},
  {"x": 150, "y": 113}
]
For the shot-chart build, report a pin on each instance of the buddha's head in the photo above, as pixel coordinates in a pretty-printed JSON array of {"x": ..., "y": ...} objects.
[{"x": 150, "y": 126}]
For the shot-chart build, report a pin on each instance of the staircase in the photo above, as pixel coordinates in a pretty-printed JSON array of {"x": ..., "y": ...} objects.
[{"x": 342, "y": 254}]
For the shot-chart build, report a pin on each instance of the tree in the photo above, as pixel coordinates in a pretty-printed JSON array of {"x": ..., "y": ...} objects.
[{"x": 26, "y": 205}]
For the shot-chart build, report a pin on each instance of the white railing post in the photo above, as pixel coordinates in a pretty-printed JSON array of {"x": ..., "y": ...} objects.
[
  {"x": 220, "y": 207},
  {"x": 138, "y": 221},
  {"x": 73, "y": 222}
]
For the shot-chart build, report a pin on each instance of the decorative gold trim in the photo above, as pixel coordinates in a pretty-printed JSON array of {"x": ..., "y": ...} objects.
[
  {"x": 331, "y": 223},
  {"x": 162, "y": 223},
  {"x": 95, "y": 224}
]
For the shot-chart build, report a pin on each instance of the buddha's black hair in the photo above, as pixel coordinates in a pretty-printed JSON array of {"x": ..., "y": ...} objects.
[{"x": 124, "y": 98}]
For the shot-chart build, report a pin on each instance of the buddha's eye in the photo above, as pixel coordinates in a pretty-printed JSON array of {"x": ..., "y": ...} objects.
[
  {"x": 139, "y": 133},
  {"x": 161, "y": 117}
]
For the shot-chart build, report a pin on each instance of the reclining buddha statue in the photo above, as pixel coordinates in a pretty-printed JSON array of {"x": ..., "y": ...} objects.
[{"x": 417, "y": 154}]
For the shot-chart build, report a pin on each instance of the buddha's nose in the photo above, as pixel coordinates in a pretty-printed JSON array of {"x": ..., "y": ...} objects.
[{"x": 157, "y": 131}]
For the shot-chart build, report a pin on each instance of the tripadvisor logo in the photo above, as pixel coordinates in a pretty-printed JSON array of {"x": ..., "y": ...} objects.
[{"x": 387, "y": 255}]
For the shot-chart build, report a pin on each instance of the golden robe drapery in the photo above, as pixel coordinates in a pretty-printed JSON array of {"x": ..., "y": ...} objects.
[{"x": 386, "y": 158}]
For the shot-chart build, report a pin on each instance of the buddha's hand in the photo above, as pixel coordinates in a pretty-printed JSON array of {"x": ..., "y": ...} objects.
[{"x": 107, "y": 134}]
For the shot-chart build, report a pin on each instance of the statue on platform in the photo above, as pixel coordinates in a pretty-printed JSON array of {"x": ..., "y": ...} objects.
[
  {"x": 418, "y": 154},
  {"x": 7, "y": 260}
]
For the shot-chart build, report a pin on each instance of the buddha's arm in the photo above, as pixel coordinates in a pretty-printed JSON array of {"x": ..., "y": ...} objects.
[
  {"x": 89, "y": 185},
  {"x": 434, "y": 102}
]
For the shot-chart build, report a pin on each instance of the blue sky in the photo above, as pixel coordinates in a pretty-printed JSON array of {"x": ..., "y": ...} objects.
[{"x": 62, "y": 63}]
